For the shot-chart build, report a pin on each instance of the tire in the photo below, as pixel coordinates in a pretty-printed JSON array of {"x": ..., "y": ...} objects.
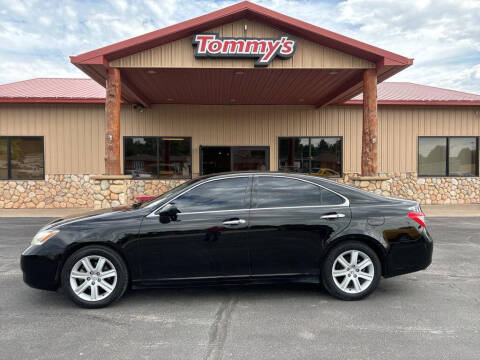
[
  {"x": 81, "y": 271},
  {"x": 359, "y": 280}
]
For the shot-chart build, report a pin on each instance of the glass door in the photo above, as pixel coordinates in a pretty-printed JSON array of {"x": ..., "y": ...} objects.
[{"x": 216, "y": 159}]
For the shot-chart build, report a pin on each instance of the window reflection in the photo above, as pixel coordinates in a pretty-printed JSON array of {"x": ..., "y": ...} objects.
[
  {"x": 447, "y": 156},
  {"x": 3, "y": 159},
  {"x": 26, "y": 158},
  {"x": 156, "y": 157},
  {"x": 432, "y": 156},
  {"x": 320, "y": 156},
  {"x": 227, "y": 194},
  {"x": 462, "y": 156}
]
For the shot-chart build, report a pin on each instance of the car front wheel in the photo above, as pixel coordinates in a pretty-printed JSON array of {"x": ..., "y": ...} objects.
[
  {"x": 94, "y": 277},
  {"x": 351, "y": 271}
]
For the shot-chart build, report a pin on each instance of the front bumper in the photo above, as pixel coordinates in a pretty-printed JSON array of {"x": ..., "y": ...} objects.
[
  {"x": 40, "y": 268},
  {"x": 409, "y": 256}
]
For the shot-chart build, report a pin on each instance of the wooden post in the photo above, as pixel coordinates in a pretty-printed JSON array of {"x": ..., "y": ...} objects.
[
  {"x": 112, "y": 115},
  {"x": 370, "y": 123}
]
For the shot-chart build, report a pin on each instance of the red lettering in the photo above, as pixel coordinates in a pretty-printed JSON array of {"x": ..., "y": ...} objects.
[
  {"x": 233, "y": 46},
  {"x": 214, "y": 46},
  {"x": 202, "y": 41},
  {"x": 255, "y": 46}
]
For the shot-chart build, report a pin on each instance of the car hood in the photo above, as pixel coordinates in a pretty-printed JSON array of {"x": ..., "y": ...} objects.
[{"x": 88, "y": 215}]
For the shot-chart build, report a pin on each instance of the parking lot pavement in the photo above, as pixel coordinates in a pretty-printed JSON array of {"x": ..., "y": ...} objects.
[{"x": 434, "y": 314}]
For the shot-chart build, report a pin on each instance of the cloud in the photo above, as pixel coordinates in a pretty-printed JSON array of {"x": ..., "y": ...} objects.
[{"x": 36, "y": 37}]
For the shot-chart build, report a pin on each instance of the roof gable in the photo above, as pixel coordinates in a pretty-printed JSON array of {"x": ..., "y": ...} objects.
[
  {"x": 233, "y": 13},
  {"x": 179, "y": 53}
]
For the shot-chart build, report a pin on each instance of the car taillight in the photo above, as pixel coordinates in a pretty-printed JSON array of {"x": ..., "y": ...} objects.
[{"x": 419, "y": 217}]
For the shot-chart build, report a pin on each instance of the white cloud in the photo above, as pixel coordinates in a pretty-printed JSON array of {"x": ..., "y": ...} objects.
[{"x": 36, "y": 37}]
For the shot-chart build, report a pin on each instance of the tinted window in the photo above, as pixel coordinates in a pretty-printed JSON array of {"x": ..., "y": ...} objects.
[
  {"x": 432, "y": 156},
  {"x": 447, "y": 156},
  {"x": 462, "y": 156},
  {"x": 21, "y": 158},
  {"x": 319, "y": 156},
  {"x": 227, "y": 194},
  {"x": 3, "y": 159},
  {"x": 283, "y": 192},
  {"x": 158, "y": 157}
]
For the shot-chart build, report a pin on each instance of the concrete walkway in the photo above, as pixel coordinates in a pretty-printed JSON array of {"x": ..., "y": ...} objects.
[{"x": 429, "y": 210}]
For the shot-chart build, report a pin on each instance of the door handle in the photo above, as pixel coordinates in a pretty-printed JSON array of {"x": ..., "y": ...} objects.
[
  {"x": 332, "y": 216},
  {"x": 234, "y": 222}
]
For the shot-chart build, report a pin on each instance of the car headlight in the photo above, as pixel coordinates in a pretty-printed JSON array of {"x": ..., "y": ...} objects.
[{"x": 43, "y": 236}]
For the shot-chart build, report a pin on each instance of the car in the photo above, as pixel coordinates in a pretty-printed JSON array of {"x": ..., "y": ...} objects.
[{"x": 233, "y": 228}]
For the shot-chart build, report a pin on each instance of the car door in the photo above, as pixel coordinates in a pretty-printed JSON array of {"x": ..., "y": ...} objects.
[
  {"x": 204, "y": 237},
  {"x": 290, "y": 221}
]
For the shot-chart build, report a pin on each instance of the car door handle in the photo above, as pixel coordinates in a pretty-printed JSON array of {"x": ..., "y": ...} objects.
[
  {"x": 332, "y": 216},
  {"x": 234, "y": 222}
]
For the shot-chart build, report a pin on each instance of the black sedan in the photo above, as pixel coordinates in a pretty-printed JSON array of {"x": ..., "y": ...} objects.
[{"x": 236, "y": 228}]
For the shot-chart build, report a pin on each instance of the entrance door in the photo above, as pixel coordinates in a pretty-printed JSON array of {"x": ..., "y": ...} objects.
[{"x": 216, "y": 159}]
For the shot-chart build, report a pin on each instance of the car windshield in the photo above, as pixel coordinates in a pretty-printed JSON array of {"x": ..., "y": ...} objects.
[{"x": 168, "y": 193}]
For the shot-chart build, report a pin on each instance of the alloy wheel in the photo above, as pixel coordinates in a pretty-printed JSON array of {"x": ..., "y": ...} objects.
[
  {"x": 93, "y": 278},
  {"x": 353, "y": 271}
]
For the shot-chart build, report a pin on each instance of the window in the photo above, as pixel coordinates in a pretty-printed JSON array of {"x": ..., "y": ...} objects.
[
  {"x": 226, "y": 194},
  {"x": 21, "y": 158},
  {"x": 447, "y": 156},
  {"x": 158, "y": 157},
  {"x": 320, "y": 156},
  {"x": 215, "y": 159},
  {"x": 283, "y": 192}
]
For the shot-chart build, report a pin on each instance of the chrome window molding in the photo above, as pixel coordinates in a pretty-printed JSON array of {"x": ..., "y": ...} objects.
[{"x": 346, "y": 203}]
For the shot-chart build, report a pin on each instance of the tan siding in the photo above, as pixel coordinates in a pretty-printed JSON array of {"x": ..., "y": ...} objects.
[
  {"x": 73, "y": 134},
  {"x": 247, "y": 125},
  {"x": 179, "y": 53},
  {"x": 400, "y": 127}
]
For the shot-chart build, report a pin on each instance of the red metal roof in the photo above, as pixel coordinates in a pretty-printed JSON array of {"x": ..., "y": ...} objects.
[
  {"x": 407, "y": 93},
  {"x": 57, "y": 90},
  {"x": 53, "y": 90}
]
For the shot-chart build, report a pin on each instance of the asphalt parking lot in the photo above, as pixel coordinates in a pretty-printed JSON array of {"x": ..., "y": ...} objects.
[{"x": 434, "y": 314}]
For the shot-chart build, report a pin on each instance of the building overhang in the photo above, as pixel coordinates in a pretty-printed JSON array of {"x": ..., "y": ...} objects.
[{"x": 314, "y": 86}]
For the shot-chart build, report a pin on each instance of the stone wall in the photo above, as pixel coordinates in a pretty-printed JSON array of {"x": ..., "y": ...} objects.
[
  {"x": 431, "y": 190},
  {"x": 77, "y": 191}
]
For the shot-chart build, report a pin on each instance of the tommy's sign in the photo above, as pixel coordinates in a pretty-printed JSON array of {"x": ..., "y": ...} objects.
[{"x": 265, "y": 50}]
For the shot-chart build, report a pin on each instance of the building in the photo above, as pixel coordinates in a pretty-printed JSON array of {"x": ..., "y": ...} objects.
[{"x": 237, "y": 89}]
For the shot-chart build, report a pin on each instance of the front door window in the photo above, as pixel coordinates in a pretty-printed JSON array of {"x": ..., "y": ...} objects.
[{"x": 216, "y": 159}]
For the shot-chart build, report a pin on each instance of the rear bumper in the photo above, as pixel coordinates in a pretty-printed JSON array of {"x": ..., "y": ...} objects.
[
  {"x": 40, "y": 270},
  {"x": 409, "y": 256}
]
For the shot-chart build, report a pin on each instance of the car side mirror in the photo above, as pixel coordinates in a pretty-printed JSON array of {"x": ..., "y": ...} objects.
[{"x": 168, "y": 213}]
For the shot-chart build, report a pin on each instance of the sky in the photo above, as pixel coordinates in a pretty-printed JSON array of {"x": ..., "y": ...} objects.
[{"x": 443, "y": 36}]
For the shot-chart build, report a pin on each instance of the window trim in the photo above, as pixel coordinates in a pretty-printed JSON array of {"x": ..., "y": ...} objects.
[
  {"x": 447, "y": 156},
  {"x": 9, "y": 156},
  {"x": 125, "y": 137},
  {"x": 310, "y": 151}
]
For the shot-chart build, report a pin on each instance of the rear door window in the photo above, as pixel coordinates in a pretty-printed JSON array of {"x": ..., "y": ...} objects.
[{"x": 271, "y": 192}]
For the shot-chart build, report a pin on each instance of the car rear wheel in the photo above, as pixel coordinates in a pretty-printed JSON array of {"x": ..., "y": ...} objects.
[
  {"x": 94, "y": 277},
  {"x": 351, "y": 271}
]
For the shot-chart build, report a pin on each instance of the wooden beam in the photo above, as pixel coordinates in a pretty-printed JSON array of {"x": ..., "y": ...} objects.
[
  {"x": 112, "y": 115},
  {"x": 370, "y": 123}
]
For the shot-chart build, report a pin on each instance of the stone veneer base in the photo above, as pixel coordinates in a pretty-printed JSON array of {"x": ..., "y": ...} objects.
[{"x": 77, "y": 191}]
